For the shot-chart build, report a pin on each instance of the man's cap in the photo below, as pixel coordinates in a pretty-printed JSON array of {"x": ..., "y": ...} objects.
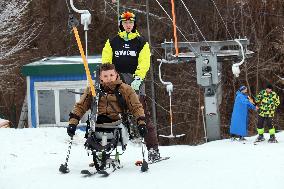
[
  {"x": 269, "y": 86},
  {"x": 242, "y": 88}
]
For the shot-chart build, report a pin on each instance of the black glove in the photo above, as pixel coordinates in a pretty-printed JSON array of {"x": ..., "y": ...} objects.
[
  {"x": 71, "y": 130},
  {"x": 142, "y": 130}
]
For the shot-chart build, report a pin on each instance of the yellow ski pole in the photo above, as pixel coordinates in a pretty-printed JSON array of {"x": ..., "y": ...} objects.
[{"x": 84, "y": 61}]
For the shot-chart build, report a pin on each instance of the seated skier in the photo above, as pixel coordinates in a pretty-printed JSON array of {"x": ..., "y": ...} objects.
[{"x": 109, "y": 108}]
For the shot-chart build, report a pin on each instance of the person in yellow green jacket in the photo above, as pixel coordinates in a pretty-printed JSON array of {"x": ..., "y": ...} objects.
[
  {"x": 130, "y": 53},
  {"x": 267, "y": 101}
]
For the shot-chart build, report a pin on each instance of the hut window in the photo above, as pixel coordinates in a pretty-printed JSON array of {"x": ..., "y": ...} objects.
[
  {"x": 55, "y": 100},
  {"x": 66, "y": 102},
  {"x": 46, "y": 103}
]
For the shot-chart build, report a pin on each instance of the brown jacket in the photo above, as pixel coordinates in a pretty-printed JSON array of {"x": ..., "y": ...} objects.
[{"x": 104, "y": 108}]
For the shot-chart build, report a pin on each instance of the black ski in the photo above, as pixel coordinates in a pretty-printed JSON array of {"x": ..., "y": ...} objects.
[
  {"x": 139, "y": 163},
  {"x": 256, "y": 142},
  {"x": 261, "y": 140},
  {"x": 159, "y": 160},
  {"x": 243, "y": 140},
  {"x": 87, "y": 173},
  {"x": 274, "y": 141},
  {"x": 104, "y": 173}
]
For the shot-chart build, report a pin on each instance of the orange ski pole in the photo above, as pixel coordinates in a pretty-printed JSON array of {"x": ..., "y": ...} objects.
[{"x": 84, "y": 61}]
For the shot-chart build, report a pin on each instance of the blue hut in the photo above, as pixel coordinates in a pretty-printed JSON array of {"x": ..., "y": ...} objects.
[{"x": 53, "y": 86}]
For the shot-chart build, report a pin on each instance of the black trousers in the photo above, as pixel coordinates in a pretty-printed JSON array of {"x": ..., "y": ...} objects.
[
  {"x": 151, "y": 138},
  {"x": 261, "y": 121}
]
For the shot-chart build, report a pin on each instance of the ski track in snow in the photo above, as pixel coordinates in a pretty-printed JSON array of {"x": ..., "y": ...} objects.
[{"x": 30, "y": 158}]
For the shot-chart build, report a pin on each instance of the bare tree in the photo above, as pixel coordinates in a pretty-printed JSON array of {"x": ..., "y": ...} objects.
[
  {"x": 16, "y": 33},
  {"x": 17, "y": 30}
]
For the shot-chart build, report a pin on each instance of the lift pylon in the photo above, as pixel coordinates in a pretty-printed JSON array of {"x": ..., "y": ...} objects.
[{"x": 209, "y": 56}]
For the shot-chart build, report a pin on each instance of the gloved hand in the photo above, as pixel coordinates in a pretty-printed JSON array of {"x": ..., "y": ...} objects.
[
  {"x": 142, "y": 130},
  {"x": 136, "y": 83},
  {"x": 71, "y": 130}
]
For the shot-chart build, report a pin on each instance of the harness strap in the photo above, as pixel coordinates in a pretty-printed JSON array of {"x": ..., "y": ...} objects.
[
  {"x": 120, "y": 99},
  {"x": 122, "y": 104}
]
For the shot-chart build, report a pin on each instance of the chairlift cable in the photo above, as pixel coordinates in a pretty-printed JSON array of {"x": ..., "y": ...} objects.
[
  {"x": 69, "y": 42},
  {"x": 69, "y": 11},
  {"x": 154, "y": 115},
  {"x": 194, "y": 22},
  {"x": 195, "y": 51},
  {"x": 118, "y": 10},
  {"x": 221, "y": 18},
  {"x": 171, "y": 19}
]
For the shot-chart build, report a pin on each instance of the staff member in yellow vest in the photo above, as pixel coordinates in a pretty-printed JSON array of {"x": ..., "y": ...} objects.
[{"x": 130, "y": 53}]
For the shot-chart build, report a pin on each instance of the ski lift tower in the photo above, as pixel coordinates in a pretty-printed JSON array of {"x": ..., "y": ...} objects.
[{"x": 209, "y": 56}]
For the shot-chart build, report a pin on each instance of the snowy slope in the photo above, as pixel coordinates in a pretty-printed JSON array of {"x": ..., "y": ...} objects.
[{"x": 30, "y": 158}]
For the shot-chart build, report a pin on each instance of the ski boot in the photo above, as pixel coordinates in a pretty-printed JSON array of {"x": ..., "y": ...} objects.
[
  {"x": 153, "y": 155},
  {"x": 272, "y": 139},
  {"x": 233, "y": 137},
  {"x": 242, "y": 139},
  {"x": 260, "y": 138}
]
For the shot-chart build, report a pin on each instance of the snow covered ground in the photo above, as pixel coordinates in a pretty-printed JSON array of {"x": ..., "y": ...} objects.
[{"x": 30, "y": 158}]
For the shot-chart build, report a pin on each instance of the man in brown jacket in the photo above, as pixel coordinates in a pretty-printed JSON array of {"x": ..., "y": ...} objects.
[{"x": 109, "y": 107}]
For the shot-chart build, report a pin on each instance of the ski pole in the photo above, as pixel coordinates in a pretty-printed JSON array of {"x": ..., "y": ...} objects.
[
  {"x": 204, "y": 126},
  {"x": 144, "y": 166},
  {"x": 63, "y": 167}
]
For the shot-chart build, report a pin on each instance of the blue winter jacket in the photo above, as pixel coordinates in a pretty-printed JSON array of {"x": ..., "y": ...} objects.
[{"x": 239, "y": 121}]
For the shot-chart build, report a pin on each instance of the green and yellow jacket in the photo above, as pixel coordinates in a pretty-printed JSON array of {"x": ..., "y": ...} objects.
[
  {"x": 129, "y": 52},
  {"x": 267, "y": 103}
]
